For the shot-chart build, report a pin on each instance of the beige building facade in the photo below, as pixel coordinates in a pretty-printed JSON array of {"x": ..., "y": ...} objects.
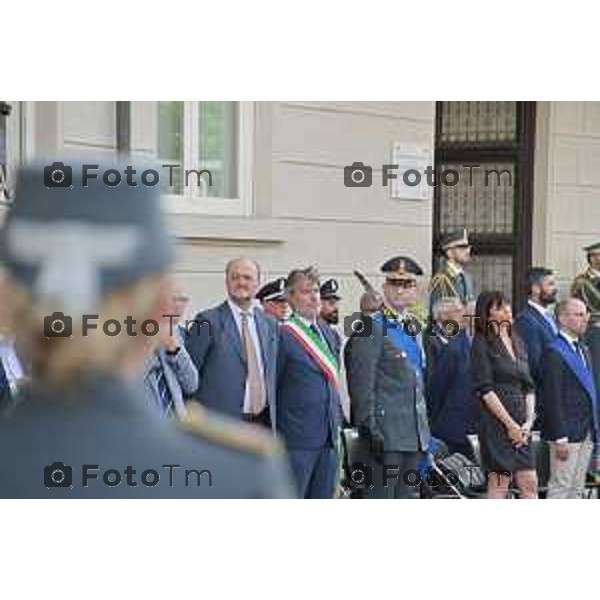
[{"x": 281, "y": 196}]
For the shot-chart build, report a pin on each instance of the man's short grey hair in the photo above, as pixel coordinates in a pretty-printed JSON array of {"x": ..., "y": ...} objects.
[
  {"x": 233, "y": 261},
  {"x": 563, "y": 306},
  {"x": 297, "y": 275},
  {"x": 443, "y": 305}
]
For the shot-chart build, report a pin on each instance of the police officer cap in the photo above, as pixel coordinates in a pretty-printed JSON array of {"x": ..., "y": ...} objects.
[
  {"x": 70, "y": 244},
  {"x": 273, "y": 290},
  {"x": 329, "y": 289},
  {"x": 401, "y": 268},
  {"x": 454, "y": 239},
  {"x": 593, "y": 249}
]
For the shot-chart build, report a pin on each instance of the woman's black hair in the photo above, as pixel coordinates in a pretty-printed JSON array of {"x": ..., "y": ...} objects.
[{"x": 485, "y": 302}]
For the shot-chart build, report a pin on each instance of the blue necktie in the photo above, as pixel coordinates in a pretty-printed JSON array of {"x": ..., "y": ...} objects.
[
  {"x": 550, "y": 319},
  {"x": 580, "y": 353}
]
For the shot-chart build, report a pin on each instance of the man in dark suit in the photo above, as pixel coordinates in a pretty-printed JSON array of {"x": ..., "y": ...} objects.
[
  {"x": 234, "y": 348},
  {"x": 571, "y": 402},
  {"x": 308, "y": 382},
  {"x": 536, "y": 326},
  {"x": 451, "y": 408},
  {"x": 384, "y": 368}
]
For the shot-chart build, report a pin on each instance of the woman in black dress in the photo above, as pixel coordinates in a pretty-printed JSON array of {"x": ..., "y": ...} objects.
[{"x": 501, "y": 380}]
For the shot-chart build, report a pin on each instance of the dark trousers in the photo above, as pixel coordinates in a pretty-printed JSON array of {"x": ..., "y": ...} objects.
[
  {"x": 394, "y": 476},
  {"x": 463, "y": 448},
  {"x": 314, "y": 471}
]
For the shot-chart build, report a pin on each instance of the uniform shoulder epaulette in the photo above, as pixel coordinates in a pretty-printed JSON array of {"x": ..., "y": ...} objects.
[
  {"x": 225, "y": 432},
  {"x": 439, "y": 279},
  {"x": 579, "y": 280}
]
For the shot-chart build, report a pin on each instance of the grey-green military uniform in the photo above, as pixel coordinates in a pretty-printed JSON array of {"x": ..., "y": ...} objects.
[
  {"x": 101, "y": 440},
  {"x": 586, "y": 287},
  {"x": 451, "y": 282}
]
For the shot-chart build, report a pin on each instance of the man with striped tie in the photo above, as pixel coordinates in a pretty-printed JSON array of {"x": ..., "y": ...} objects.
[{"x": 171, "y": 376}]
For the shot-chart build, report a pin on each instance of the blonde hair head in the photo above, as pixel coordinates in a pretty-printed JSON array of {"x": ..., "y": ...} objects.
[{"x": 58, "y": 361}]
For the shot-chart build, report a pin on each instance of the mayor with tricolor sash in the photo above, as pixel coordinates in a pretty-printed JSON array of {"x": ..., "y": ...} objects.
[{"x": 308, "y": 380}]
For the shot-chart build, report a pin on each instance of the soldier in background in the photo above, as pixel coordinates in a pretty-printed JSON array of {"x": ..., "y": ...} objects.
[
  {"x": 451, "y": 280},
  {"x": 272, "y": 299},
  {"x": 330, "y": 305},
  {"x": 586, "y": 288},
  {"x": 103, "y": 251},
  {"x": 371, "y": 301}
]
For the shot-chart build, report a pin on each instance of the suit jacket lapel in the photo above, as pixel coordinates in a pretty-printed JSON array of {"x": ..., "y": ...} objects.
[
  {"x": 231, "y": 330},
  {"x": 540, "y": 319},
  {"x": 328, "y": 334},
  {"x": 264, "y": 338},
  {"x": 583, "y": 375}
]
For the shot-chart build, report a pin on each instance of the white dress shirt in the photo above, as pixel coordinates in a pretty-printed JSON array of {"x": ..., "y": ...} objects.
[
  {"x": 545, "y": 313},
  {"x": 237, "y": 316}
]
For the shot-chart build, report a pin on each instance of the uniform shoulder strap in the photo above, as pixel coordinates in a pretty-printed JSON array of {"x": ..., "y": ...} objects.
[
  {"x": 440, "y": 279},
  {"x": 221, "y": 431}
]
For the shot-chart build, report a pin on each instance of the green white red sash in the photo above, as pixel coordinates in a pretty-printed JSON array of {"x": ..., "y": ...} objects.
[{"x": 316, "y": 347}]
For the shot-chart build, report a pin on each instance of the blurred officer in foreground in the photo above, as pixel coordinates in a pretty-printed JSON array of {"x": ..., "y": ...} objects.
[
  {"x": 83, "y": 427},
  {"x": 586, "y": 287},
  {"x": 452, "y": 281},
  {"x": 272, "y": 299}
]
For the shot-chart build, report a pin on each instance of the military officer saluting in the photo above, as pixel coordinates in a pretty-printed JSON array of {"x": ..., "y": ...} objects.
[
  {"x": 273, "y": 300},
  {"x": 384, "y": 366},
  {"x": 82, "y": 428},
  {"x": 586, "y": 287},
  {"x": 400, "y": 293},
  {"x": 452, "y": 281}
]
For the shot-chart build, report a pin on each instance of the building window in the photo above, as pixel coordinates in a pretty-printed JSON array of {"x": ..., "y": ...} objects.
[{"x": 207, "y": 140}]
